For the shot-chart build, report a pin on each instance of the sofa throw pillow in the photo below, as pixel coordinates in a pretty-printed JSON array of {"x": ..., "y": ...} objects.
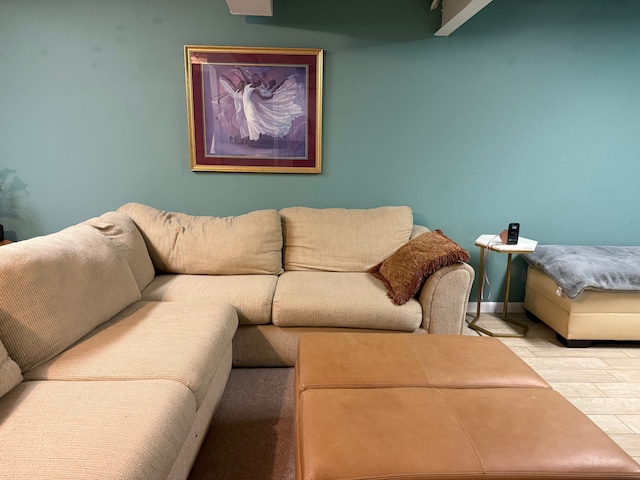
[
  {"x": 404, "y": 272},
  {"x": 342, "y": 239},
  {"x": 249, "y": 244},
  {"x": 10, "y": 374},
  {"x": 127, "y": 238}
]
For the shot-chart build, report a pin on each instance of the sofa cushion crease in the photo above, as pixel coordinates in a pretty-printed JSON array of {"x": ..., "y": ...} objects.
[
  {"x": 122, "y": 231},
  {"x": 183, "y": 342},
  {"x": 10, "y": 374}
]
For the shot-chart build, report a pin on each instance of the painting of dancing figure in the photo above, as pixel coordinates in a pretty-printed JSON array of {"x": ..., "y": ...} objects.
[
  {"x": 254, "y": 110},
  {"x": 256, "y": 106}
]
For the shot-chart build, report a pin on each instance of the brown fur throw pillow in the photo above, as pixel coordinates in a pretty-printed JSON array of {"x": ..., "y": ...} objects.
[{"x": 404, "y": 272}]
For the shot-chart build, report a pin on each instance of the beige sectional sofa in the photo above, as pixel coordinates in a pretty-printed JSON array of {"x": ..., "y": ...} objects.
[
  {"x": 117, "y": 335},
  {"x": 296, "y": 270}
]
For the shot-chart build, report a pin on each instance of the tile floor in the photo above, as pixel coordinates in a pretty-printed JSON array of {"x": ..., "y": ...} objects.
[{"x": 603, "y": 381}]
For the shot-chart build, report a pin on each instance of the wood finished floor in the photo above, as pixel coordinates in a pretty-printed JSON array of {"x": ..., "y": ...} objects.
[{"x": 603, "y": 380}]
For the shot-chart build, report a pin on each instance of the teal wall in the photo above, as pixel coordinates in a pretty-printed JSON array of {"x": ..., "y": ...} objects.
[{"x": 529, "y": 113}]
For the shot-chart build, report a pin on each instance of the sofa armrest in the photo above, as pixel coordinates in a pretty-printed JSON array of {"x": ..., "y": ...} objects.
[
  {"x": 418, "y": 230},
  {"x": 444, "y": 298}
]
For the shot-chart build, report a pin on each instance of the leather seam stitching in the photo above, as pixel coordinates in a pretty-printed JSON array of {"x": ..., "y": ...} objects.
[
  {"x": 466, "y": 433},
  {"x": 419, "y": 360}
]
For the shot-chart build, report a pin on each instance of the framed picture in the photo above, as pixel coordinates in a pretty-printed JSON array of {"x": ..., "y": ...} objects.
[{"x": 254, "y": 109}]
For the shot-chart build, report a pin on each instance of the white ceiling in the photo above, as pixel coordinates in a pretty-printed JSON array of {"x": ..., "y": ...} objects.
[{"x": 454, "y": 12}]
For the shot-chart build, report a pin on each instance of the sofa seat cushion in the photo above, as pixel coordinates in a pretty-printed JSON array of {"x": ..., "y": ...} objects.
[
  {"x": 121, "y": 230},
  {"x": 180, "y": 243},
  {"x": 57, "y": 288},
  {"x": 90, "y": 430},
  {"x": 340, "y": 299},
  {"x": 183, "y": 342},
  {"x": 343, "y": 240},
  {"x": 251, "y": 295}
]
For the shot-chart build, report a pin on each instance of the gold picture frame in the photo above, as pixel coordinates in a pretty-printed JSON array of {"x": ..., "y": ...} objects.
[{"x": 254, "y": 109}]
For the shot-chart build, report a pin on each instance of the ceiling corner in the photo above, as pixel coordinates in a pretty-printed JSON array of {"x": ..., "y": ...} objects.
[{"x": 456, "y": 12}]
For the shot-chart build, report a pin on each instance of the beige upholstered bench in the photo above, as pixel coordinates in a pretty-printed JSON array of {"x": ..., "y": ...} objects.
[
  {"x": 585, "y": 293},
  {"x": 590, "y": 317},
  {"x": 381, "y": 406}
]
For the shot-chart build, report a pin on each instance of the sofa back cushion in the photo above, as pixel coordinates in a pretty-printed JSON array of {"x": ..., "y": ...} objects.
[
  {"x": 343, "y": 240},
  {"x": 126, "y": 237},
  {"x": 57, "y": 288},
  {"x": 10, "y": 374},
  {"x": 181, "y": 243}
]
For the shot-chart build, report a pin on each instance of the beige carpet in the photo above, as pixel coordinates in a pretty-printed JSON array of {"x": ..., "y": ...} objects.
[{"x": 251, "y": 435}]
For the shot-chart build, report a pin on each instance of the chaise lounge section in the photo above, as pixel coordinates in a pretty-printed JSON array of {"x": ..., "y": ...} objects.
[{"x": 98, "y": 383}]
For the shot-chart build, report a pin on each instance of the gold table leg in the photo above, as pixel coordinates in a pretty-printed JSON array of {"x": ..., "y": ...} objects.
[{"x": 474, "y": 323}]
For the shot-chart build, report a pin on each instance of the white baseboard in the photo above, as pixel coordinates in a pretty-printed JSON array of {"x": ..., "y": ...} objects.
[{"x": 495, "y": 307}]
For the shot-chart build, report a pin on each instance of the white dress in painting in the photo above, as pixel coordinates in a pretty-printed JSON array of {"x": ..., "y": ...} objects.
[{"x": 270, "y": 112}]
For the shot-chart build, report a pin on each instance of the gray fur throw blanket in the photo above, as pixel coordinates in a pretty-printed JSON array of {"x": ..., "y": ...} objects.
[{"x": 576, "y": 268}]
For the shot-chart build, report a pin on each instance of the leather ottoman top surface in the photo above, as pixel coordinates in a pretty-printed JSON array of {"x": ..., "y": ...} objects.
[
  {"x": 380, "y": 359},
  {"x": 398, "y": 406}
]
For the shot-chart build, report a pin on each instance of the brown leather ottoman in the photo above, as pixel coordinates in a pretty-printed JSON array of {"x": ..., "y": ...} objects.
[{"x": 383, "y": 406}]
